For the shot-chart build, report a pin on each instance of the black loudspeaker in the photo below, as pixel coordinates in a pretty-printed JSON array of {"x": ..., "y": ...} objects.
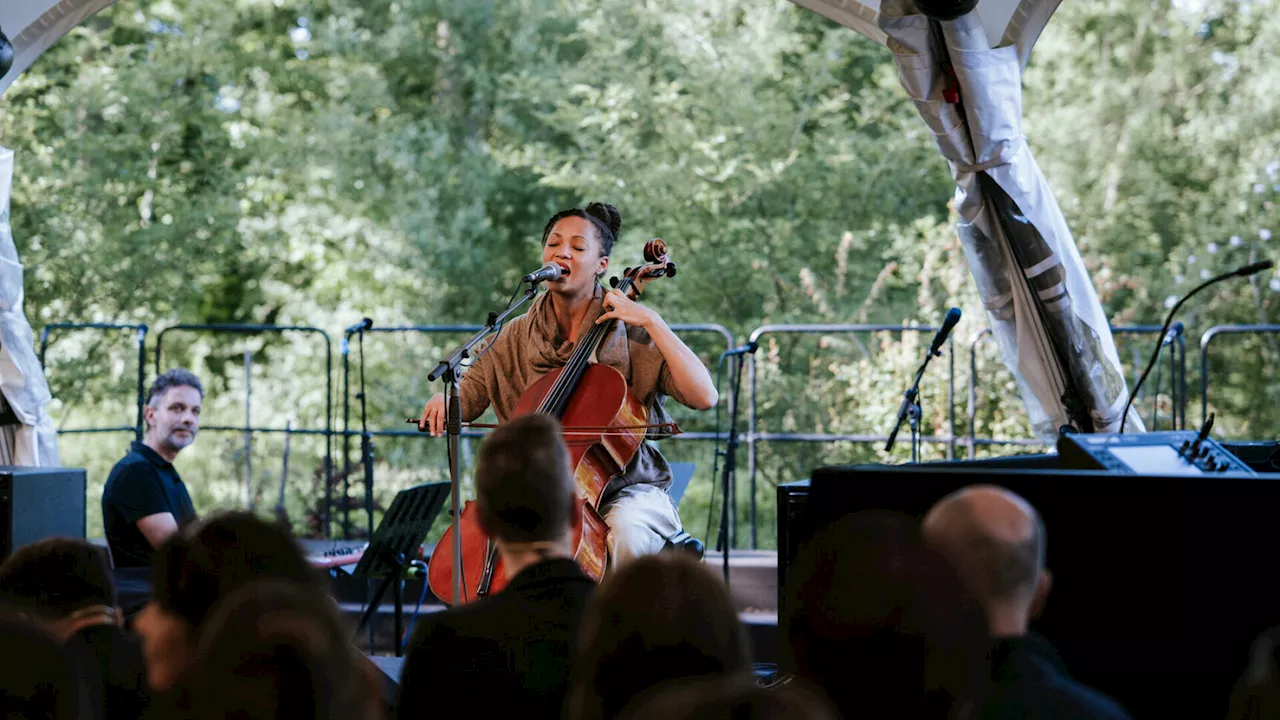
[
  {"x": 793, "y": 529},
  {"x": 37, "y": 503}
]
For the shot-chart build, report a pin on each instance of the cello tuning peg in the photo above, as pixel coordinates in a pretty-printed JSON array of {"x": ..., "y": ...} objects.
[
  {"x": 671, "y": 269},
  {"x": 613, "y": 282}
]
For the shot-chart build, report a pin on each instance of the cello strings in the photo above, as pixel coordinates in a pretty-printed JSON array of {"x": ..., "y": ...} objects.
[
  {"x": 594, "y": 337},
  {"x": 558, "y": 396},
  {"x": 559, "y": 391}
]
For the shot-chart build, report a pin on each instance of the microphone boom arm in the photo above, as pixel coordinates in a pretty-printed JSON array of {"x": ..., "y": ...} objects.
[
  {"x": 909, "y": 401},
  {"x": 910, "y": 407},
  {"x": 454, "y": 360}
]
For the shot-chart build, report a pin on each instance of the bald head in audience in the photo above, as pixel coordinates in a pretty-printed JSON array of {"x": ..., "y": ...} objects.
[{"x": 996, "y": 541}]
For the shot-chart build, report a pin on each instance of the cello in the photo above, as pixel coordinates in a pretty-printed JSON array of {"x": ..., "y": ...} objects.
[{"x": 603, "y": 425}]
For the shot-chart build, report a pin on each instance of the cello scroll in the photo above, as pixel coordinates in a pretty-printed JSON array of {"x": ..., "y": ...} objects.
[{"x": 657, "y": 264}]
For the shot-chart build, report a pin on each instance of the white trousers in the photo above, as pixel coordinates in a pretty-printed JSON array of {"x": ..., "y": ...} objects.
[{"x": 640, "y": 517}]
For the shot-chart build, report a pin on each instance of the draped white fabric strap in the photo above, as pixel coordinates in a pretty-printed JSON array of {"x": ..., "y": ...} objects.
[{"x": 1008, "y": 150}]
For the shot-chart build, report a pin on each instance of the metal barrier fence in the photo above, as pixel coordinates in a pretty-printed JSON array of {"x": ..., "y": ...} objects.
[
  {"x": 751, "y": 437},
  {"x": 1177, "y": 370},
  {"x": 248, "y": 429},
  {"x": 1206, "y": 339},
  {"x": 141, "y": 341}
]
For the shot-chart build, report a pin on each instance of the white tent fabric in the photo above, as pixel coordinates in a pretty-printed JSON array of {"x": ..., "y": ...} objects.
[
  {"x": 1044, "y": 313},
  {"x": 33, "y": 26},
  {"x": 22, "y": 381}
]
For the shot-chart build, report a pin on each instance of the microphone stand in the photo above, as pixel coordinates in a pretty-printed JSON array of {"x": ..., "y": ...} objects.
[
  {"x": 448, "y": 370},
  {"x": 737, "y": 358},
  {"x": 366, "y": 445},
  {"x": 1245, "y": 271},
  {"x": 282, "y": 514},
  {"x": 910, "y": 409},
  {"x": 366, "y": 456},
  {"x": 366, "y": 439}
]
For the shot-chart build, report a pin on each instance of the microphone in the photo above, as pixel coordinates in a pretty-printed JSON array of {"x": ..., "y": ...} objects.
[
  {"x": 948, "y": 323},
  {"x": 1245, "y": 271},
  {"x": 550, "y": 271},
  {"x": 1253, "y": 269},
  {"x": 364, "y": 324},
  {"x": 747, "y": 349}
]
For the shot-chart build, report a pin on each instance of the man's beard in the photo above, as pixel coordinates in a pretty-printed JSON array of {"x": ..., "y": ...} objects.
[{"x": 178, "y": 442}]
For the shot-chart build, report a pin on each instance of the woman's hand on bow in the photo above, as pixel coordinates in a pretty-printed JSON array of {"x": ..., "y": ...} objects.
[{"x": 433, "y": 416}]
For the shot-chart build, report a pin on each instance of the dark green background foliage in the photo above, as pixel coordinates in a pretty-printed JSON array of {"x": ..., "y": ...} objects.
[{"x": 313, "y": 162}]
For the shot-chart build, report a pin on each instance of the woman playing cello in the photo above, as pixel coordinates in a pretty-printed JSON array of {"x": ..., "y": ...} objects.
[{"x": 655, "y": 363}]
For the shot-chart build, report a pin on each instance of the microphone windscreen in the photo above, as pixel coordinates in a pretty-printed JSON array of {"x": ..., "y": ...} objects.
[{"x": 1255, "y": 268}]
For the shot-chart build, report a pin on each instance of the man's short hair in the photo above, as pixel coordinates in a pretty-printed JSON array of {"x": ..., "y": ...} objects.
[
  {"x": 55, "y": 577},
  {"x": 524, "y": 484},
  {"x": 175, "y": 377},
  {"x": 996, "y": 569}
]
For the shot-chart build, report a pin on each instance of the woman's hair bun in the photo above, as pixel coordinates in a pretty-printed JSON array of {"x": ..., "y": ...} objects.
[{"x": 608, "y": 215}]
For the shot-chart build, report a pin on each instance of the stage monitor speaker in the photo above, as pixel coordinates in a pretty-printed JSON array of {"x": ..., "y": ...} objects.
[
  {"x": 793, "y": 530},
  {"x": 37, "y": 503},
  {"x": 1160, "y": 582}
]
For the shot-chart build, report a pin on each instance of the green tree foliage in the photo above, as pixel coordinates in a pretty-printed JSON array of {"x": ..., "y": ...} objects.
[{"x": 1157, "y": 125}]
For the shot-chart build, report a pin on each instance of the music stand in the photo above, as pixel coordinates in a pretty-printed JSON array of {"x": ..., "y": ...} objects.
[{"x": 395, "y": 544}]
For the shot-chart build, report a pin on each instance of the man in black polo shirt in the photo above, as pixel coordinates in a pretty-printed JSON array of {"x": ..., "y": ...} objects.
[{"x": 145, "y": 501}]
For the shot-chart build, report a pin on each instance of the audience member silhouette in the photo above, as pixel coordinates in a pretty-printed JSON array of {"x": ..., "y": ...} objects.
[
  {"x": 511, "y": 651},
  {"x": 1257, "y": 693},
  {"x": 39, "y": 679},
  {"x": 274, "y": 650},
  {"x": 881, "y": 625},
  {"x": 664, "y": 617},
  {"x": 195, "y": 569},
  {"x": 64, "y": 585},
  {"x": 996, "y": 541}
]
